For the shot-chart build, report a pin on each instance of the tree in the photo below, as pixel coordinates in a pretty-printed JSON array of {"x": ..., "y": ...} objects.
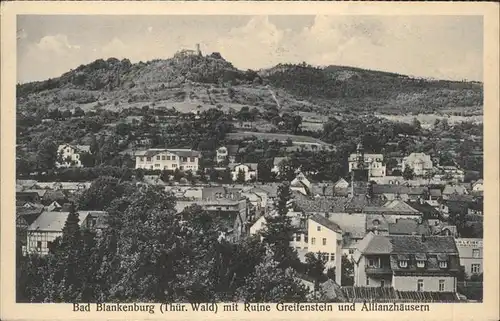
[
  {"x": 315, "y": 267},
  {"x": 347, "y": 271},
  {"x": 271, "y": 283},
  {"x": 279, "y": 230},
  {"x": 149, "y": 243},
  {"x": 240, "y": 178},
  {"x": 46, "y": 154},
  {"x": 87, "y": 159},
  {"x": 101, "y": 193},
  {"x": 264, "y": 170},
  {"x": 408, "y": 173}
]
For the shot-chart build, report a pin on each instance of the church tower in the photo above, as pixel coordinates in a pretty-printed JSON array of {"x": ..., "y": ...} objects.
[{"x": 359, "y": 174}]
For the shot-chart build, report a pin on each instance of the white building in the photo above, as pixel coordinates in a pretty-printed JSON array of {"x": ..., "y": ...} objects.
[
  {"x": 70, "y": 155},
  {"x": 222, "y": 154},
  {"x": 420, "y": 163},
  {"x": 373, "y": 162},
  {"x": 249, "y": 170},
  {"x": 168, "y": 159}
]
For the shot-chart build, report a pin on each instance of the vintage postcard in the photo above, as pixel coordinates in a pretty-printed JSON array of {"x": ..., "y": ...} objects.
[{"x": 243, "y": 160}]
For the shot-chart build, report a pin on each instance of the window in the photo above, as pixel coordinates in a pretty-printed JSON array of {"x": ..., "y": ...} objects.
[
  {"x": 475, "y": 253},
  {"x": 157, "y": 157},
  {"x": 441, "y": 285},
  {"x": 77, "y": 156},
  {"x": 313, "y": 241},
  {"x": 148, "y": 159},
  {"x": 163, "y": 158},
  {"x": 168, "y": 157},
  {"x": 443, "y": 264},
  {"x": 324, "y": 241},
  {"x": 157, "y": 165},
  {"x": 420, "y": 264},
  {"x": 306, "y": 238},
  {"x": 420, "y": 285},
  {"x": 174, "y": 165},
  {"x": 38, "y": 244},
  {"x": 297, "y": 238},
  {"x": 474, "y": 268},
  {"x": 351, "y": 251},
  {"x": 318, "y": 228},
  {"x": 373, "y": 263},
  {"x": 367, "y": 281},
  {"x": 382, "y": 283},
  {"x": 403, "y": 263},
  {"x": 332, "y": 256},
  {"x": 192, "y": 159},
  {"x": 305, "y": 248},
  {"x": 173, "y": 157},
  {"x": 141, "y": 159},
  {"x": 298, "y": 247}
]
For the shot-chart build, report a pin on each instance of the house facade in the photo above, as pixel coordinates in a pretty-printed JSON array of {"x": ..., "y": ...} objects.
[
  {"x": 471, "y": 254},
  {"x": 49, "y": 225},
  {"x": 420, "y": 163},
  {"x": 373, "y": 162},
  {"x": 168, "y": 159},
  {"x": 70, "y": 155},
  {"x": 407, "y": 263},
  {"x": 249, "y": 170}
]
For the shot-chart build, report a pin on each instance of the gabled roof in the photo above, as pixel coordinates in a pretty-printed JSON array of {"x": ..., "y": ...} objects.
[
  {"x": 407, "y": 244},
  {"x": 479, "y": 181},
  {"x": 428, "y": 244},
  {"x": 435, "y": 192},
  {"x": 353, "y": 225},
  {"x": 425, "y": 208},
  {"x": 325, "y": 222},
  {"x": 321, "y": 204},
  {"x": 393, "y": 206},
  {"x": 454, "y": 189},
  {"x": 408, "y": 227},
  {"x": 54, "y": 221},
  {"x": 375, "y": 244},
  {"x": 277, "y": 160}
]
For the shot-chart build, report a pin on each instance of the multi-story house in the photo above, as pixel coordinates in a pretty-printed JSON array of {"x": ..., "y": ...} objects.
[
  {"x": 420, "y": 163},
  {"x": 49, "y": 225},
  {"x": 471, "y": 254},
  {"x": 249, "y": 171},
  {"x": 226, "y": 203},
  {"x": 168, "y": 159},
  {"x": 315, "y": 234},
  {"x": 373, "y": 162},
  {"x": 70, "y": 155},
  {"x": 407, "y": 263}
]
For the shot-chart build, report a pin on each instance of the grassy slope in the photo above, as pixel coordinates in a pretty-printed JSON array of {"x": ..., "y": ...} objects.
[{"x": 197, "y": 83}]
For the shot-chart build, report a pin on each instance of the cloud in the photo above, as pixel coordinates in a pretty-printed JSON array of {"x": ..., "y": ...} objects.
[{"x": 432, "y": 46}]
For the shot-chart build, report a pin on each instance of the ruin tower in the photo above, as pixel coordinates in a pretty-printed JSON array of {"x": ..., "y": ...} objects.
[{"x": 198, "y": 50}]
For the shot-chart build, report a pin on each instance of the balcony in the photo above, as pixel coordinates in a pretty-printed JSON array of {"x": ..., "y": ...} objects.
[{"x": 381, "y": 270}]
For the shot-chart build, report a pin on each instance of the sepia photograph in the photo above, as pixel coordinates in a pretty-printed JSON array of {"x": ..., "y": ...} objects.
[{"x": 320, "y": 162}]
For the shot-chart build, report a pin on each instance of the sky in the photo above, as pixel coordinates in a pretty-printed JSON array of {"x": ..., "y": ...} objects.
[{"x": 441, "y": 47}]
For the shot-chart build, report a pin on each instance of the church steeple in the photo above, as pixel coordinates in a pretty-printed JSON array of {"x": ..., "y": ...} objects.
[
  {"x": 360, "y": 156},
  {"x": 359, "y": 174}
]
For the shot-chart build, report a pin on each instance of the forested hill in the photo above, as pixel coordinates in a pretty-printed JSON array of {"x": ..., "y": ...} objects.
[{"x": 212, "y": 80}]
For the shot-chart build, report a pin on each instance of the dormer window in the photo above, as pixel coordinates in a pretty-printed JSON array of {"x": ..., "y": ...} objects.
[
  {"x": 443, "y": 264},
  {"x": 403, "y": 260},
  {"x": 403, "y": 263},
  {"x": 420, "y": 264},
  {"x": 421, "y": 258}
]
